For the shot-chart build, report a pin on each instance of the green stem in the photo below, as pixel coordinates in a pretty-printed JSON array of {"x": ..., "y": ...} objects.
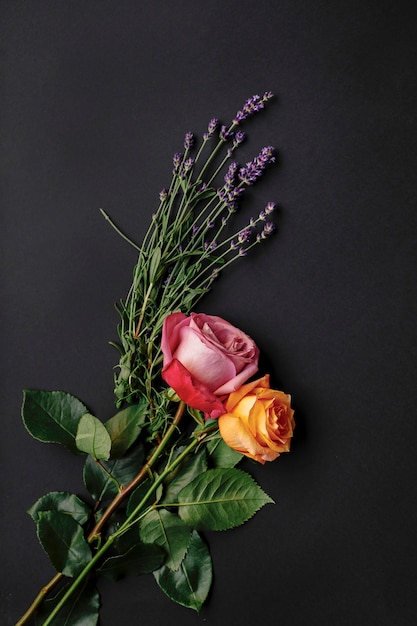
[
  {"x": 95, "y": 533},
  {"x": 132, "y": 519},
  {"x": 80, "y": 578},
  {"x": 118, "y": 231},
  {"x": 39, "y": 599}
]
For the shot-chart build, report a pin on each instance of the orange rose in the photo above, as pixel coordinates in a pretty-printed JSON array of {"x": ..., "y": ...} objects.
[{"x": 259, "y": 422}]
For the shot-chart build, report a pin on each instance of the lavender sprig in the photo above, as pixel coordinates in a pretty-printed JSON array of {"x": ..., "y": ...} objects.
[{"x": 185, "y": 247}]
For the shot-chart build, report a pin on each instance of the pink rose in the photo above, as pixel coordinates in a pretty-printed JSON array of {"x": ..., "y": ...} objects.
[{"x": 205, "y": 359}]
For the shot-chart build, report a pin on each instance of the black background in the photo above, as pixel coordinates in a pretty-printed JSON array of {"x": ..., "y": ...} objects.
[{"x": 96, "y": 97}]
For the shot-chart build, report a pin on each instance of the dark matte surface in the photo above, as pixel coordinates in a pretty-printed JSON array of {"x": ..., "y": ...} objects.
[{"x": 96, "y": 97}]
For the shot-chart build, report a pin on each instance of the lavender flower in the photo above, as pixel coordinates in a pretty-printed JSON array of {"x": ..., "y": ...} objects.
[
  {"x": 229, "y": 177},
  {"x": 187, "y": 165},
  {"x": 211, "y": 128},
  {"x": 188, "y": 141},
  {"x": 163, "y": 194},
  {"x": 177, "y": 159},
  {"x": 267, "y": 230},
  {"x": 254, "y": 169},
  {"x": 238, "y": 138},
  {"x": 244, "y": 235},
  {"x": 270, "y": 207},
  {"x": 251, "y": 106},
  {"x": 225, "y": 135}
]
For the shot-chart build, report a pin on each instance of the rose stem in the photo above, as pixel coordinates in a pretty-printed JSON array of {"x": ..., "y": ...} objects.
[
  {"x": 124, "y": 492},
  {"x": 129, "y": 521}
]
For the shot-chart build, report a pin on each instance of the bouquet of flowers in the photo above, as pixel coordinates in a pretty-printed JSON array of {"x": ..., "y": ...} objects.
[{"x": 163, "y": 470}]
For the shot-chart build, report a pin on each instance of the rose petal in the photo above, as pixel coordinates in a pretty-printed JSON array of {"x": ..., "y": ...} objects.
[
  {"x": 244, "y": 390},
  {"x": 190, "y": 390},
  {"x": 204, "y": 362},
  {"x": 238, "y": 437},
  {"x": 170, "y": 329}
]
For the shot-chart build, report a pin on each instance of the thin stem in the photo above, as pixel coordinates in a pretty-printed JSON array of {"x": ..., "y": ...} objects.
[
  {"x": 80, "y": 578},
  {"x": 125, "y": 491},
  {"x": 118, "y": 231},
  {"x": 39, "y": 599},
  {"x": 96, "y": 531},
  {"x": 129, "y": 521}
]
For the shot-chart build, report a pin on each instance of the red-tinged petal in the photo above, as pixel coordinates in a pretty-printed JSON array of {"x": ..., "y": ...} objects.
[{"x": 191, "y": 391}]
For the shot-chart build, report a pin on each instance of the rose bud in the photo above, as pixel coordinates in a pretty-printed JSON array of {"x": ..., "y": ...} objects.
[
  {"x": 206, "y": 358},
  {"x": 259, "y": 421}
]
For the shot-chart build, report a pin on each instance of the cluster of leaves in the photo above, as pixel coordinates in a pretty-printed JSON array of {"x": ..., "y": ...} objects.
[{"x": 186, "y": 484}]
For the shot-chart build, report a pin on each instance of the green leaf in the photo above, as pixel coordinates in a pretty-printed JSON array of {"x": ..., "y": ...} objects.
[
  {"x": 140, "y": 492},
  {"x": 92, "y": 438},
  {"x": 124, "y": 428},
  {"x": 63, "y": 502},
  {"x": 190, "y": 584},
  {"x": 222, "y": 455},
  {"x": 192, "y": 467},
  {"x": 52, "y": 416},
  {"x": 81, "y": 610},
  {"x": 140, "y": 559},
  {"x": 167, "y": 530},
  {"x": 220, "y": 499},
  {"x": 98, "y": 481},
  {"x": 154, "y": 264},
  {"x": 63, "y": 540}
]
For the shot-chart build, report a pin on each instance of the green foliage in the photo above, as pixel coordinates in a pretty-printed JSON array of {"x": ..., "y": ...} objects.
[
  {"x": 125, "y": 427},
  {"x": 52, "y": 416},
  {"x": 103, "y": 481},
  {"x": 222, "y": 455},
  {"x": 140, "y": 492},
  {"x": 139, "y": 559},
  {"x": 190, "y": 584},
  {"x": 93, "y": 438},
  {"x": 62, "y": 538},
  {"x": 167, "y": 530},
  {"x": 63, "y": 502},
  {"x": 189, "y": 469},
  {"x": 220, "y": 499},
  {"x": 83, "y": 610}
]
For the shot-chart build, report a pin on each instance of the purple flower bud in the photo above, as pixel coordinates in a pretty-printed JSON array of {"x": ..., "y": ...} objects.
[
  {"x": 163, "y": 194},
  {"x": 188, "y": 164},
  {"x": 255, "y": 168},
  {"x": 244, "y": 235},
  {"x": 267, "y": 230},
  {"x": 238, "y": 138},
  {"x": 242, "y": 252},
  {"x": 230, "y": 174},
  {"x": 211, "y": 128},
  {"x": 251, "y": 106},
  {"x": 225, "y": 135},
  {"x": 188, "y": 141},
  {"x": 177, "y": 162}
]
